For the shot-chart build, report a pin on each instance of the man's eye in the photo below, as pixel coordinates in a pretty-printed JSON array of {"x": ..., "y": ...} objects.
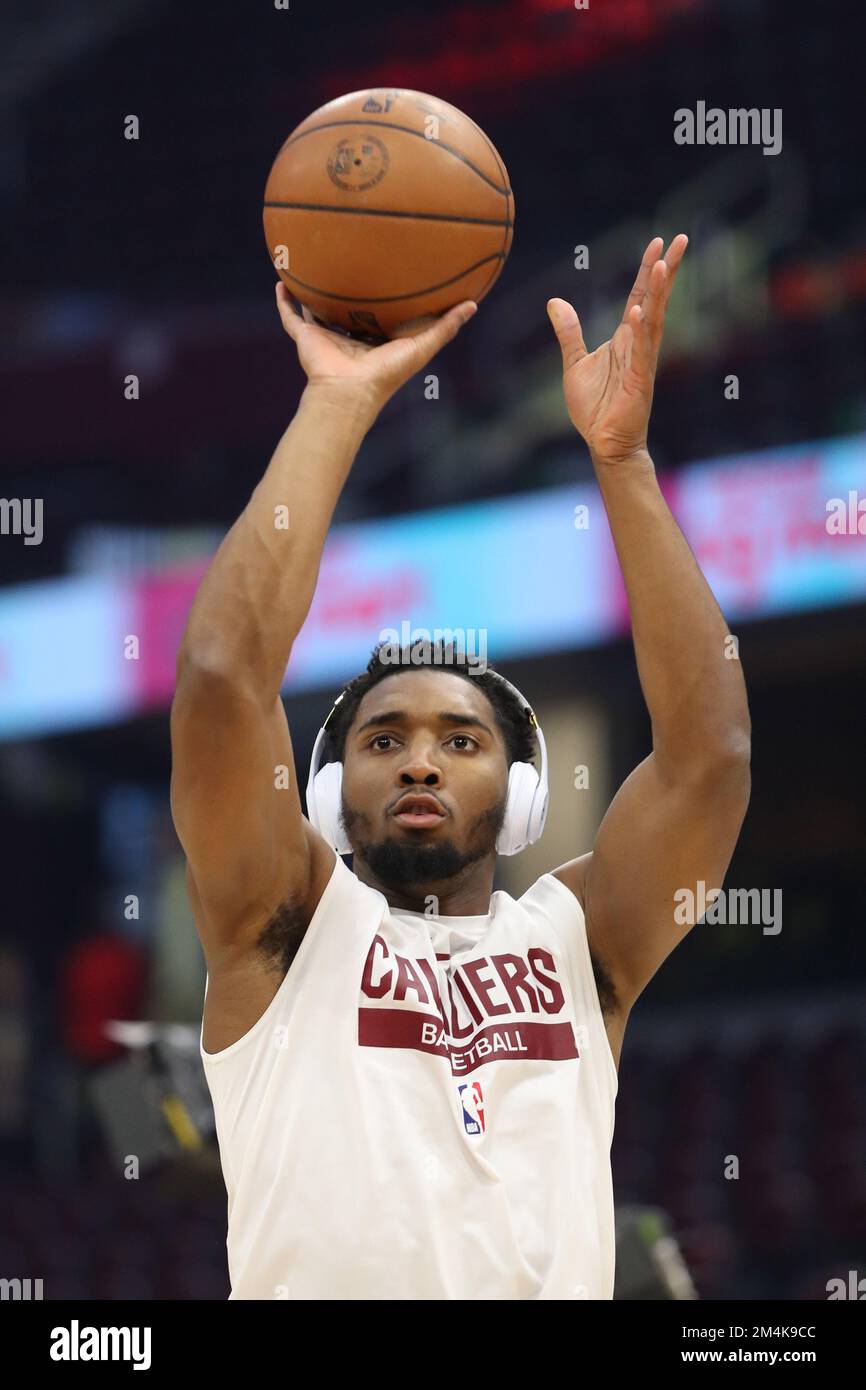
[{"x": 466, "y": 741}]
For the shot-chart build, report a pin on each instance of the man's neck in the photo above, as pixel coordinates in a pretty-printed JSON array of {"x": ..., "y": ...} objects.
[{"x": 460, "y": 896}]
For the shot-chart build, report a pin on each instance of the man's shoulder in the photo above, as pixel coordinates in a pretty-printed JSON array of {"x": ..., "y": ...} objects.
[{"x": 572, "y": 876}]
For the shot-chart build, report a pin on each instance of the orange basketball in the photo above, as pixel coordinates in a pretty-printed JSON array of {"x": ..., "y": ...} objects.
[{"x": 385, "y": 206}]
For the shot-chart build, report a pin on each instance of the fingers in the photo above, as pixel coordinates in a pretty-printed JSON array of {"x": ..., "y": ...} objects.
[
  {"x": 646, "y": 322},
  {"x": 673, "y": 259},
  {"x": 430, "y": 340},
  {"x": 295, "y": 320},
  {"x": 639, "y": 288},
  {"x": 411, "y": 328},
  {"x": 653, "y": 306},
  {"x": 566, "y": 325},
  {"x": 291, "y": 321},
  {"x": 648, "y": 318}
]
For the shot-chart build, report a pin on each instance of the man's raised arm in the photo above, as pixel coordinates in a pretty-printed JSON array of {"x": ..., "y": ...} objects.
[
  {"x": 676, "y": 818},
  {"x": 247, "y": 843}
]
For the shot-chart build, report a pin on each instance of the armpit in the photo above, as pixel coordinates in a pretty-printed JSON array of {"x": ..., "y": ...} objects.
[
  {"x": 282, "y": 934},
  {"x": 607, "y": 996}
]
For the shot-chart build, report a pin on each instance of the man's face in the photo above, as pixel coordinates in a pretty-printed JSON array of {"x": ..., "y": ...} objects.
[{"x": 424, "y": 734}]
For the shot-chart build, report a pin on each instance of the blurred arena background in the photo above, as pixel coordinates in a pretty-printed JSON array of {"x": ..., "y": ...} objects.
[{"x": 147, "y": 257}]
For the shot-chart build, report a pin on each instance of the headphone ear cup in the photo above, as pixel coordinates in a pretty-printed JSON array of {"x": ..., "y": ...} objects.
[
  {"x": 328, "y": 787},
  {"x": 539, "y": 815},
  {"x": 518, "y": 828}
]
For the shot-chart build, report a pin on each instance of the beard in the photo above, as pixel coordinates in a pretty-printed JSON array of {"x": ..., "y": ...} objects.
[{"x": 398, "y": 863}]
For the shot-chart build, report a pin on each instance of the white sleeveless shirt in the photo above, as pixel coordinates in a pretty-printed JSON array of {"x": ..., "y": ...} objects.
[{"x": 425, "y": 1110}]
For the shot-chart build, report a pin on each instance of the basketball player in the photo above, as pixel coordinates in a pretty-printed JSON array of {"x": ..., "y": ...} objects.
[{"x": 414, "y": 1077}]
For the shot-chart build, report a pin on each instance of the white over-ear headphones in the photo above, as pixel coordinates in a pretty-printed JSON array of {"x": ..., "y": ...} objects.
[{"x": 525, "y": 807}]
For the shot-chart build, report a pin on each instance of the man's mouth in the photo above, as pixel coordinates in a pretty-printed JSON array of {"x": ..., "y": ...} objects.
[{"x": 419, "y": 812}]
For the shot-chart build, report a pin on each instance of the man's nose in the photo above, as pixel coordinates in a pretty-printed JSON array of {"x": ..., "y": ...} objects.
[{"x": 419, "y": 768}]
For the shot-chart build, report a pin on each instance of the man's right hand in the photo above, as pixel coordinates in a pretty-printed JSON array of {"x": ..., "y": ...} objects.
[{"x": 342, "y": 363}]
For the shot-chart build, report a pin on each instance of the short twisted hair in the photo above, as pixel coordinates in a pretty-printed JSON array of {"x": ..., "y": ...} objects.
[{"x": 521, "y": 743}]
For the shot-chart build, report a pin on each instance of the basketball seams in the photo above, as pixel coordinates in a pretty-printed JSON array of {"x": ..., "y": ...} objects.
[
  {"x": 494, "y": 274},
  {"x": 493, "y": 150},
  {"x": 391, "y": 298},
  {"x": 508, "y": 197},
  {"x": 388, "y": 212},
  {"x": 504, "y": 192}
]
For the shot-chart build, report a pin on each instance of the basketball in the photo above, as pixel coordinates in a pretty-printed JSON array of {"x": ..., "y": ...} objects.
[{"x": 385, "y": 206}]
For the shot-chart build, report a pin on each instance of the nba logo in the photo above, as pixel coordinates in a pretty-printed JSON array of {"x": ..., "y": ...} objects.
[{"x": 472, "y": 1101}]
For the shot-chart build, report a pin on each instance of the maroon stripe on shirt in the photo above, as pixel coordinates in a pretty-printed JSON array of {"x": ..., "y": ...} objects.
[{"x": 507, "y": 1041}]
